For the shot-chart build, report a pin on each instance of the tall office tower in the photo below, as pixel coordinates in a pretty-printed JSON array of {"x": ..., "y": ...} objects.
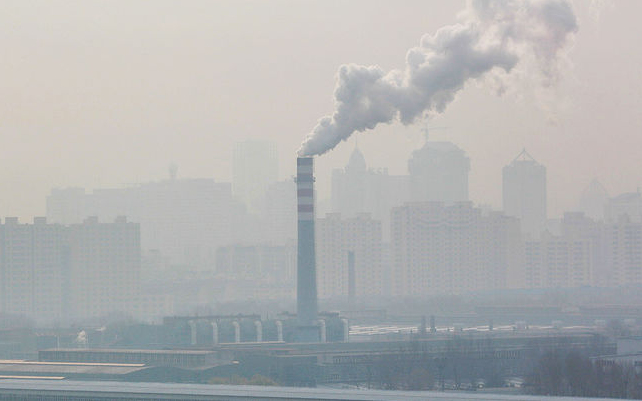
[
  {"x": 184, "y": 219},
  {"x": 306, "y": 289},
  {"x": 34, "y": 269},
  {"x": 524, "y": 193},
  {"x": 452, "y": 249},
  {"x": 280, "y": 213},
  {"x": 357, "y": 189},
  {"x": 439, "y": 172},
  {"x": 627, "y": 204},
  {"x": 255, "y": 166},
  {"x": 557, "y": 262},
  {"x": 104, "y": 267},
  {"x": 623, "y": 252},
  {"x": 336, "y": 239},
  {"x": 593, "y": 200}
]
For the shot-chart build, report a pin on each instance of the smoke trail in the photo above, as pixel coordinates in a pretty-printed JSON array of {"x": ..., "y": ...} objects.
[{"x": 492, "y": 35}]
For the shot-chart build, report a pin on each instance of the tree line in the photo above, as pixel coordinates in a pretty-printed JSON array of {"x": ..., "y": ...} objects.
[{"x": 573, "y": 374}]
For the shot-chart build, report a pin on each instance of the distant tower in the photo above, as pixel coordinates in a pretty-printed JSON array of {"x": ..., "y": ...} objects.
[
  {"x": 439, "y": 172},
  {"x": 524, "y": 193},
  {"x": 254, "y": 169},
  {"x": 593, "y": 200},
  {"x": 349, "y": 186},
  {"x": 307, "y": 330}
]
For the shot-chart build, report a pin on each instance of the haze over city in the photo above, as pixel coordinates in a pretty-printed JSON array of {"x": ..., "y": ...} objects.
[
  {"x": 328, "y": 200},
  {"x": 97, "y": 95}
]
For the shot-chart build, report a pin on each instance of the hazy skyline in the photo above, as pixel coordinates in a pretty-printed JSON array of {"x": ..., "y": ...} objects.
[{"x": 102, "y": 94}]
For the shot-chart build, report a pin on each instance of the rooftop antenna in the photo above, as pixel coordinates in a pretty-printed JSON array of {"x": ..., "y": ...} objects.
[
  {"x": 524, "y": 156},
  {"x": 426, "y": 130}
]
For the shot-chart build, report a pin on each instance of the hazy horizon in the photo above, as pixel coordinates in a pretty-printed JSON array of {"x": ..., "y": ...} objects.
[{"x": 105, "y": 94}]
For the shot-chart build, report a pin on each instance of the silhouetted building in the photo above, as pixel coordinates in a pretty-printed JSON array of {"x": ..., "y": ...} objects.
[
  {"x": 524, "y": 193},
  {"x": 593, "y": 200},
  {"x": 185, "y": 219},
  {"x": 357, "y": 189},
  {"x": 255, "y": 166},
  {"x": 627, "y": 204},
  {"x": 439, "y": 172}
]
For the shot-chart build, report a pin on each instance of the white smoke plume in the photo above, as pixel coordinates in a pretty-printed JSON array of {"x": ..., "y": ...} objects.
[{"x": 492, "y": 35}]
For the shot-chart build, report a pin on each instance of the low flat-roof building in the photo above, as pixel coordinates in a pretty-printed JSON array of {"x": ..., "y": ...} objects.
[
  {"x": 53, "y": 390},
  {"x": 156, "y": 357}
]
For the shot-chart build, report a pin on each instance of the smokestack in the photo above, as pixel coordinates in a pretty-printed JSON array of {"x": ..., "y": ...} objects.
[
  {"x": 352, "y": 282},
  {"x": 306, "y": 260}
]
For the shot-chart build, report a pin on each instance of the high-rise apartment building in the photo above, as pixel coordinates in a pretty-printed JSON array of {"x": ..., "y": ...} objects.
[
  {"x": 557, "y": 262},
  {"x": 104, "y": 267},
  {"x": 439, "y": 172},
  {"x": 34, "y": 269},
  {"x": 255, "y": 166},
  {"x": 578, "y": 226},
  {"x": 55, "y": 273},
  {"x": 447, "y": 249},
  {"x": 524, "y": 193},
  {"x": 336, "y": 239},
  {"x": 623, "y": 252}
]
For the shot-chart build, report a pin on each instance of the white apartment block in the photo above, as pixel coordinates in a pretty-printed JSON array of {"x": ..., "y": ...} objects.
[
  {"x": 104, "y": 264},
  {"x": 33, "y": 270},
  {"x": 54, "y": 273},
  {"x": 623, "y": 250},
  {"x": 335, "y": 238},
  {"x": 450, "y": 249},
  {"x": 557, "y": 262}
]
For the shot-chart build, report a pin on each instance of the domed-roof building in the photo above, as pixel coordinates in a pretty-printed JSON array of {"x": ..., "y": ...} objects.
[{"x": 439, "y": 172}]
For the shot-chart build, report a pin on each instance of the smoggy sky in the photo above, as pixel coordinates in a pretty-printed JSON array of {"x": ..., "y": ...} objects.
[{"x": 109, "y": 93}]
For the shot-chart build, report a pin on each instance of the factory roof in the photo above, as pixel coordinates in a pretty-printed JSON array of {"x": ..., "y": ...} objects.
[
  {"x": 165, "y": 391},
  {"x": 132, "y": 351},
  {"x": 67, "y": 368}
]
